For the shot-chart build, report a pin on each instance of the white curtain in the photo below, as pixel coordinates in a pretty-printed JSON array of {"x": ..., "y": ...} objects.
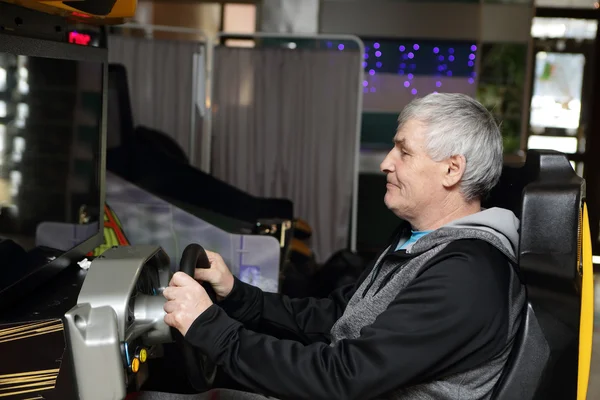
[
  {"x": 164, "y": 82},
  {"x": 284, "y": 125}
]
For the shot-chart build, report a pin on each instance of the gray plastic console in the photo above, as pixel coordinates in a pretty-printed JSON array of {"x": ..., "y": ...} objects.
[{"x": 110, "y": 312}]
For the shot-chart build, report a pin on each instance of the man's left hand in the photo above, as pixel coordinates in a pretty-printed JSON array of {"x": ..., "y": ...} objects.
[{"x": 186, "y": 300}]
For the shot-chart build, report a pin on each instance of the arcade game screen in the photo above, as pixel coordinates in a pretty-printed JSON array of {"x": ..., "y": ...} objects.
[{"x": 50, "y": 125}]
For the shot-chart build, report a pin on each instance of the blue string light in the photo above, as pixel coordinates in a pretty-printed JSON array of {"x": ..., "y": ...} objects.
[{"x": 439, "y": 57}]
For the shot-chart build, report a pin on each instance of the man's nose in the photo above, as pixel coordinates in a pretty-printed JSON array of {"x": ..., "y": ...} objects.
[{"x": 387, "y": 165}]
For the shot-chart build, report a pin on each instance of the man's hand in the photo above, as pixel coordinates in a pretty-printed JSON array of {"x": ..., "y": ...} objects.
[
  {"x": 186, "y": 300},
  {"x": 218, "y": 275}
]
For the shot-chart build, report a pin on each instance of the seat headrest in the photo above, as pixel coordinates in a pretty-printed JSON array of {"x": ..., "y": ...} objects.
[
  {"x": 545, "y": 167},
  {"x": 546, "y": 194}
]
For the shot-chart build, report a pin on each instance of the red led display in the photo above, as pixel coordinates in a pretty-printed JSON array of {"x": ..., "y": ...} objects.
[{"x": 79, "y": 38}]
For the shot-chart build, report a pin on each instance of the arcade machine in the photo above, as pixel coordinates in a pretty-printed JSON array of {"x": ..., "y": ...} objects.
[
  {"x": 74, "y": 326},
  {"x": 150, "y": 159},
  {"x": 145, "y": 161}
]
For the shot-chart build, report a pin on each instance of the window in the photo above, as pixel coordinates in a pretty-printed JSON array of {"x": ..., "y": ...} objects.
[
  {"x": 564, "y": 28},
  {"x": 239, "y": 18}
]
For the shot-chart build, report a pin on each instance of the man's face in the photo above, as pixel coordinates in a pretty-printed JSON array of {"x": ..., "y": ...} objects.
[{"x": 414, "y": 180}]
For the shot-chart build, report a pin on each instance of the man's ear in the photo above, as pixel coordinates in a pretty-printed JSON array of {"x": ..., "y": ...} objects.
[{"x": 454, "y": 169}]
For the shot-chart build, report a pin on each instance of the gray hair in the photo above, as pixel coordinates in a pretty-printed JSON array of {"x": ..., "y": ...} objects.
[{"x": 459, "y": 125}]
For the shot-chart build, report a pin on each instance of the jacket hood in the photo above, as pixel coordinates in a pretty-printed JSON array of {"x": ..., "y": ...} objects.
[{"x": 497, "y": 226}]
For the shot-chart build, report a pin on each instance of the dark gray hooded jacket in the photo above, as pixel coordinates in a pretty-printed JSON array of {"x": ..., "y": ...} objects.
[{"x": 496, "y": 226}]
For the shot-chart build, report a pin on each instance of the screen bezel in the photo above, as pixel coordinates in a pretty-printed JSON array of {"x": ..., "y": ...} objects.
[{"x": 26, "y": 46}]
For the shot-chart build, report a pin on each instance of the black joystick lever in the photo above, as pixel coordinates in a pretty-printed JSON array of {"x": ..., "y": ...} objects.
[
  {"x": 194, "y": 257},
  {"x": 201, "y": 371}
]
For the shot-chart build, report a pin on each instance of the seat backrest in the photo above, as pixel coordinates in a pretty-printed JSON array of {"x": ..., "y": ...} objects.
[
  {"x": 548, "y": 197},
  {"x": 527, "y": 362}
]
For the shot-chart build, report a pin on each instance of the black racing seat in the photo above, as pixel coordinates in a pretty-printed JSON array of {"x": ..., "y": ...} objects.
[
  {"x": 552, "y": 351},
  {"x": 527, "y": 362}
]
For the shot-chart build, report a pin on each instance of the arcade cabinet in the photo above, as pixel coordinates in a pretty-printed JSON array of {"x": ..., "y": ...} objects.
[
  {"x": 151, "y": 160},
  {"x": 154, "y": 162},
  {"x": 52, "y": 190}
]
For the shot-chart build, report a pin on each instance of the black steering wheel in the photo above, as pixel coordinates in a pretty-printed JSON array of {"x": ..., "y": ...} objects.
[
  {"x": 194, "y": 257},
  {"x": 200, "y": 370}
]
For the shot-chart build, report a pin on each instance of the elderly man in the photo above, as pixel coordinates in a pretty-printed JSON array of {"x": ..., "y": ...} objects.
[{"x": 433, "y": 318}]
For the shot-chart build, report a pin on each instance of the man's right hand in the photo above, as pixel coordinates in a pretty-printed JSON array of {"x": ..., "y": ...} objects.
[{"x": 218, "y": 275}]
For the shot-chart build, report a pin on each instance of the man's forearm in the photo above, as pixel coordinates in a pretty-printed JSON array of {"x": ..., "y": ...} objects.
[
  {"x": 244, "y": 304},
  {"x": 307, "y": 320}
]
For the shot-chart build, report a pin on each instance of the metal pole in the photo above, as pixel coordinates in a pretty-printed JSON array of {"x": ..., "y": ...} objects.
[
  {"x": 208, "y": 93},
  {"x": 192, "y": 153},
  {"x": 359, "y": 109},
  {"x": 165, "y": 28}
]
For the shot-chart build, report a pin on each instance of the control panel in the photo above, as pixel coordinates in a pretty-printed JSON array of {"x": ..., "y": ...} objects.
[{"x": 118, "y": 322}]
